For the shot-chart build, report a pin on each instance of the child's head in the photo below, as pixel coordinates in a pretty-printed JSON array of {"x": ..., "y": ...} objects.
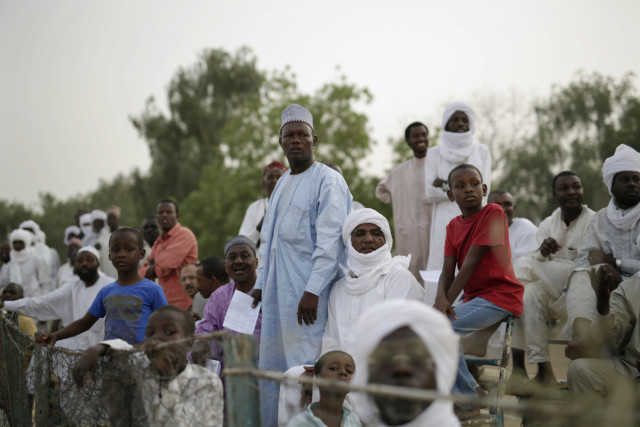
[
  {"x": 188, "y": 280},
  {"x": 336, "y": 365},
  {"x": 12, "y": 292},
  {"x": 168, "y": 324},
  {"x": 466, "y": 188},
  {"x": 125, "y": 249}
]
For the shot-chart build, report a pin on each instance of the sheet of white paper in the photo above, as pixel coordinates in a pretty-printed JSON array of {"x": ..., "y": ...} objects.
[
  {"x": 240, "y": 316},
  {"x": 214, "y": 366}
]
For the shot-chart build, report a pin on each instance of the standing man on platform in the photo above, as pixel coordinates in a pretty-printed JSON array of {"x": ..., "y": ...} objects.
[
  {"x": 301, "y": 251},
  {"x": 404, "y": 188},
  {"x": 175, "y": 248}
]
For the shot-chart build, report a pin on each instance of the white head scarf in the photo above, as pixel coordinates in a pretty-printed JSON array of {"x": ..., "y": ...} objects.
[
  {"x": 84, "y": 219},
  {"x": 434, "y": 329},
  {"x": 456, "y": 147},
  {"x": 91, "y": 250},
  {"x": 18, "y": 257},
  {"x": 37, "y": 233},
  {"x": 624, "y": 159},
  {"x": 72, "y": 229},
  {"x": 366, "y": 269}
]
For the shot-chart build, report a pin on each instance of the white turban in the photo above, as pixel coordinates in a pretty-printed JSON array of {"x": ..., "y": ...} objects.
[
  {"x": 91, "y": 250},
  {"x": 296, "y": 113},
  {"x": 18, "y": 257},
  {"x": 624, "y": 159},
  {"x": 22, "y": 234},
  {"x": 456, "y": 147},
  {"x": 98, "y": 214},
  {"x": 85, "y": 219},
  {"x": 72, "y": 229},
  {"x": 435, "y": 331},
  {"x": 37, "y": 232},
  {"x": 366, "y": 270}
]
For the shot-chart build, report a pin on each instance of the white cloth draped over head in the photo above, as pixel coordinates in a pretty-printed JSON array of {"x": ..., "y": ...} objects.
[
  {"x": 36, "y": 230},
  {"x": 456, "y": 147},
  {"x": 625, "y": 159},
  {"x": 72, "y": 229},
  {"x": 18, "y": 257},
  {"x": 98, "y": 214},
  {"x": 86, "y": 224},
  {"x": 435, "y": 331},
  {"x": 91, "y": 250},
  {"x": 366, "y": 269}
]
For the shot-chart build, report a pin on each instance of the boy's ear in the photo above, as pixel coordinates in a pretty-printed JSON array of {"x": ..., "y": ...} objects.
[
  {"x": 484, "y": 190},
  {"x": 450, "y": 194},
  {"x": 142, "y": 253}
]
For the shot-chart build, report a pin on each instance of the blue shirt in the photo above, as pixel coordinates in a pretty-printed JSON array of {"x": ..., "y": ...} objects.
[{"x": 127, "y": 309}]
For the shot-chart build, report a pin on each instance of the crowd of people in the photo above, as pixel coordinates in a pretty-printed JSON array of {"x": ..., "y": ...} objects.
[{"x": 314, "y": 277}]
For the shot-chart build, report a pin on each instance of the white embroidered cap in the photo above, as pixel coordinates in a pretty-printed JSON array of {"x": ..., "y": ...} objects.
[{"x": 296, "y": 113}]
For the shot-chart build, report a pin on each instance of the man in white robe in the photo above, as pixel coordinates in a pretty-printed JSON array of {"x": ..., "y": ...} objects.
[
  {"x": 98, "y": 228},
  {"x": 373, "y": 276},
  {"x": 404, "y": 188},
  {"x": 612, "y": 239},
  {"x": 457, "y": 146},
  {"x": 522, "y": 232},
  {"x": 26, "y": 268},
  {"x": 405, "y": 344},
  {"x": 301, "y": 251},
  {"x": 48, "y": 255},
  {"x": 71, "y": 301},
  {"x": 66, "y": 272},
  {"x": 113, "y": 221},
  {"x": 545, "y": 272}
]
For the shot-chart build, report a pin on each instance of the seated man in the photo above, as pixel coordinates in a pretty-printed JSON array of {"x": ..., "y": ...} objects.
[
  {"x": 611, "y": 239},
  {"x": 405, "y": 344},
  {"x": 612, "y": 379},
  {"x": 373, "y": 277},
  {"x": 545, "y": 272},
  {"x": 522, "y": 232}
]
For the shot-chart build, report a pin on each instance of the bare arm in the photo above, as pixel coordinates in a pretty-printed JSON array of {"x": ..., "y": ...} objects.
[
  {"x": 446, "y": 279},
  {"x": 470, "y": 262},
  {"x": 74, "y": 328}
]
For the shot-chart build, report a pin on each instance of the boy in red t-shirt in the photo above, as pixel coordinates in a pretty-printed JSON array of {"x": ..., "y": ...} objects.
[{"x": 478, "y": 244}]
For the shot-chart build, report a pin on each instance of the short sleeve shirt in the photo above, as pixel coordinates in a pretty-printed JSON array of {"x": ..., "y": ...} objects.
[
  {"x": 126, "y": 309},
  {"x": 493, "y": 278}
]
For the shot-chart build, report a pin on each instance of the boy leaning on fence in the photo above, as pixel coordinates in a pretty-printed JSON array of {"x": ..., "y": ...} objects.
[
  {"x": 173, "y": 391},
  {"x": 127, "y": 303}
]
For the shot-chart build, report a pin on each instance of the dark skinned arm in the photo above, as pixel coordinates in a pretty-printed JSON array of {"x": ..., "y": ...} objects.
[
  {"x": 74, "y": 328},
  {"x": 470, "y": 262},
  {"x": 446, "y": 279},
  {"x": 308, "y": 308}
]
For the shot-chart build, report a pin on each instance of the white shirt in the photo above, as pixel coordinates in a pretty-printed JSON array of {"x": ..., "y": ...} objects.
[
  {"x": 36, "y": 276},
  {"x": 253, "y": 216},
  {"x": 522, "y": 234},
  {"x": 68, "y": 303}
]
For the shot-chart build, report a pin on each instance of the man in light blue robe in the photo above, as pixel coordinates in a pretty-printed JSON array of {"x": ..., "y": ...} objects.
[{"x": 301, "y": 252}]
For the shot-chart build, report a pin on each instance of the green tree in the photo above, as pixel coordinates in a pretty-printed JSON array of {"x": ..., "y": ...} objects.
[{"x": 577, "y": 127}]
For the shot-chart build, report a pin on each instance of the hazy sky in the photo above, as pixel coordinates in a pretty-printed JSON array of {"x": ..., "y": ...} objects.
[{"x": 73, "y": 71}]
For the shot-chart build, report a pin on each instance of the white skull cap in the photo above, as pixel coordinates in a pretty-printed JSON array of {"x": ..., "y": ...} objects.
[{"x": 296, "y": 113}]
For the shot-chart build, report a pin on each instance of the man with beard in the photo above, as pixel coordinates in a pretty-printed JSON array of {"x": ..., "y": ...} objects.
[
  {"x": 404, "y": 189},
  {"x": 175, "y": 248},
  {"x": 611, "y": 240},
  {"x": 545, "y": 272},
  {"x": 457, "y": 145},
  {"x": 71, "y": 301}
]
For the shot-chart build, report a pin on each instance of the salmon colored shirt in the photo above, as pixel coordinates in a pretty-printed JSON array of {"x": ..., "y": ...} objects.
[{"x": 172, "y": 251}]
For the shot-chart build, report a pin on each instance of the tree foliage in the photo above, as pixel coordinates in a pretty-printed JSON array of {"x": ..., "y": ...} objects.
[{"x": 576, "y": 128}]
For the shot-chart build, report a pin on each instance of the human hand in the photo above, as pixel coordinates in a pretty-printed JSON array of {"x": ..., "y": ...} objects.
[
  {"x": 549, "y": 246},
  {"x": 308, "y": 308},
  {"x": 442, "y": 304},
  {"x": 88, "y": 364},
  {"x": 45, "y": 339},
  {"x": 257, "y": 297},
  {"x": 438, "y": 182},
  {"x": 597, "y": 256},
  {"x": 307, "y": 389},
  {"x": 195, "y": 316}
]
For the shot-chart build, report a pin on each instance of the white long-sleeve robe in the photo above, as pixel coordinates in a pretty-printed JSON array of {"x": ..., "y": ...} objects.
[{"x": 445, "y": 210}]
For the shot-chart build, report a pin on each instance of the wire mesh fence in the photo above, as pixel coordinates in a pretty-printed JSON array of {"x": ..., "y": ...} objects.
[{"x": 37, "y": 389}]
